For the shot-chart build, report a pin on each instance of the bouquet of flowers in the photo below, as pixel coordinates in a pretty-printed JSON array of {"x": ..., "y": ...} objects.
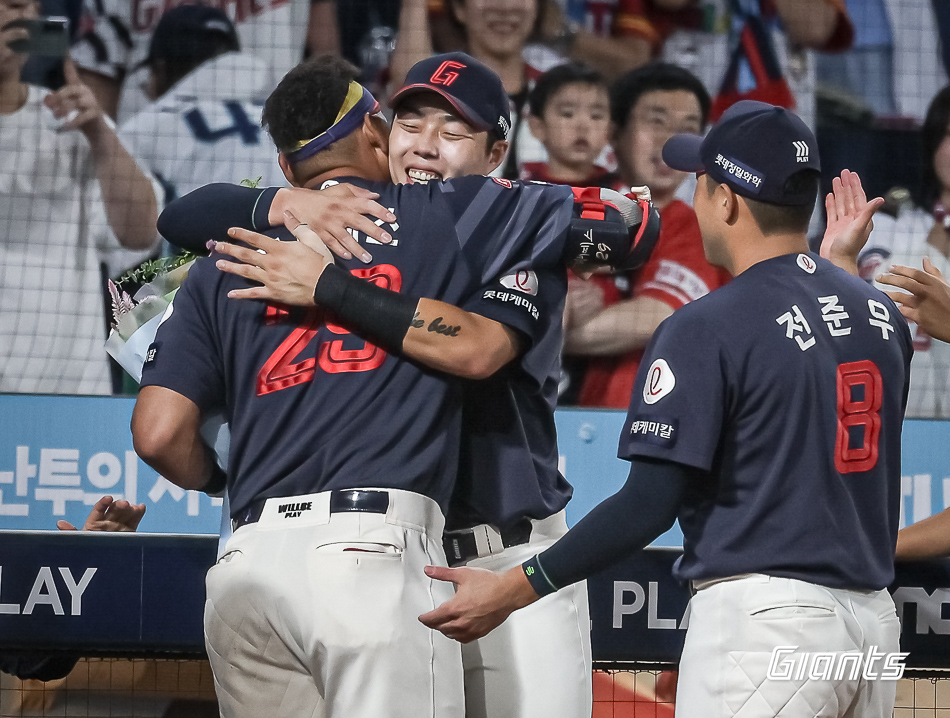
[{"x": 135, "y": 321}]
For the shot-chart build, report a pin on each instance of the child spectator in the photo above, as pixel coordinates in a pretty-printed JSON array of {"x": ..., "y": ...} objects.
[
  {"x": 611, "y": 318},
  {"x": 570, "y": 115}
]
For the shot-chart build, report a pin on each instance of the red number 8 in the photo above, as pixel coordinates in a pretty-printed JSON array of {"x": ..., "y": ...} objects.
[{"x": 863, "y": 413}]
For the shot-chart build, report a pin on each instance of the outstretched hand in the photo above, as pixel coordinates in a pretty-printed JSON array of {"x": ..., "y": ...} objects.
[
  {"x": 928, "y": 303},
  {"x": 483, "y": 600},
  {"x": 287, "y": 272},
  {"x": 109, "y": 515},
  {"x": 849, "y": 221}
]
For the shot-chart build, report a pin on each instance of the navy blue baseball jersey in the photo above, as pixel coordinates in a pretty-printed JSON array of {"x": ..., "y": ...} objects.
[
  {"x": 313, "y": 407},
  {"x": 787, "y": 389}
]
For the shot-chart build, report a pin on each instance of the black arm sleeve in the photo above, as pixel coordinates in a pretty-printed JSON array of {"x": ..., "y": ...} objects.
[
  {"x": 643, "y": 509},
  {"x": 210, "y": 211}
]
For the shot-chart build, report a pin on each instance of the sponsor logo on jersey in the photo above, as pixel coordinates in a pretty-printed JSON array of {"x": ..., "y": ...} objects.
[
  {"x": 502, "y": 181},
  {"x": 516, "y": 299},
  {"x": 654, "y": 430},
  {"x": 523, "y": 281},
  {"x": 801, "y": 151},
  {"x": 659, "y": 382},
  {"x": 292, "y": 511},
  {"x": 806, "y": 263},
  {"x": 152, "y": 353}
]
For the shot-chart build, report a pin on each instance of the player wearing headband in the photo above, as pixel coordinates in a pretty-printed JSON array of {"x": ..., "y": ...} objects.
[
  {"x": 343, "y": 457},
  {"x": 510, "y": 499}
]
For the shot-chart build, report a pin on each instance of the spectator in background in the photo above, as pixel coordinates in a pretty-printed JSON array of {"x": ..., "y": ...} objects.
[
  {"x": 894, "y": 40},
  {"x": 200, "y": 127},
  {"x": 611, "y": 318},
  {"x": 115, "y": 35},
  {"x": 67, "y": 199},
  {"x": 615, "y": 36},
  {"x": 498, "y": 33},
  {"x": 570, "y": 116},
  {"x": 752, "y": 49},
  {"x": 920, "y": 231}
]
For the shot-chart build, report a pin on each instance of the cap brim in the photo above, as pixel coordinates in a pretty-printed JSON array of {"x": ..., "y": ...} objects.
[
  {"x": 465, "y": 112},
  {"x": 681, "y": 152}
]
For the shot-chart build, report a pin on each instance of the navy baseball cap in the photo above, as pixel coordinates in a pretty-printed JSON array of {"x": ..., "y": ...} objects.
[
  {"x": 471, "y": 88},
  {"x": 183, "y": 32},
  {"x": 754, "y": 148}
]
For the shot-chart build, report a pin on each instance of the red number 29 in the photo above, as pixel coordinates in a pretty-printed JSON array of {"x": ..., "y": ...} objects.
[
  {"x": 281, "y": 372},
  {"x": 863, "y": 413}
]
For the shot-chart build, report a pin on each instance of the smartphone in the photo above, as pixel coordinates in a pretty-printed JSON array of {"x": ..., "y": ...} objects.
[
  {"x": 47, "y": 36},
  {"x": 47, "y": 43}
]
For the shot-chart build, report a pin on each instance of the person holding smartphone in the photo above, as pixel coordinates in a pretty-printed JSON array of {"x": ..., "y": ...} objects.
[{"x": 71, "y": 198}]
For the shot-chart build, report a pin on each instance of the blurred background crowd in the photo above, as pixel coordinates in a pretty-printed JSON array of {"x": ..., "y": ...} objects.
[{"x": 153, "y": 101}]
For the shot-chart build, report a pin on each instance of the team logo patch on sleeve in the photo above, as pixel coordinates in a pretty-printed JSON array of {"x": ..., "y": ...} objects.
[
  {"x": 660, "y": 382},
  {"x": 654, "y": 430},
  {"x": 524, "y": 281}
]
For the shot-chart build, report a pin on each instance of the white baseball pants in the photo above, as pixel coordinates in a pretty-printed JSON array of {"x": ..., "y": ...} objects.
[
  {"x": 316, "y": 614},
  {"x": 730, "y": 666},
  {"x": 537, "y": 664}
]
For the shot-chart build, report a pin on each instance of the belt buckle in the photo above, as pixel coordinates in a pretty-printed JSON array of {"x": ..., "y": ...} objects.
[{"x": 488, "y": 541}]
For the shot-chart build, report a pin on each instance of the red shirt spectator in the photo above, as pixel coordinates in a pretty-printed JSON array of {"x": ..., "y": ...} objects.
[{"x": 676, "y": 274}]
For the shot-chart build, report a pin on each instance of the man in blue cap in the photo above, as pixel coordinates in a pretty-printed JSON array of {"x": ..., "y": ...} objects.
[{"x": 766, "y": 417}]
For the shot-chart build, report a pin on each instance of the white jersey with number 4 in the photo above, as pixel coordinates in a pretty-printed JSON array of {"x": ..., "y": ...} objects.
[
  {"x": 114, "y": 37},
  {"x": 207, "y": 128}
]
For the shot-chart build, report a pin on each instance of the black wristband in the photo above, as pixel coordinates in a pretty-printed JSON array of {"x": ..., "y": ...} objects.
[
  {"x": 377, "y": 314},
  {"x": 218, "y": 481},
  {"x": 537, "y": 577}
]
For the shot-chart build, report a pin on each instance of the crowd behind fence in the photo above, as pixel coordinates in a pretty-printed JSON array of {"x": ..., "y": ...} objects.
[{"x": 151, "y": 111}]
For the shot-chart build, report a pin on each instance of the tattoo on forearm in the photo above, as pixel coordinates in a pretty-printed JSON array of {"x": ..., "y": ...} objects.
[
  {"x": 416, "y": 322},
  {"x": 439, "y": 328}
]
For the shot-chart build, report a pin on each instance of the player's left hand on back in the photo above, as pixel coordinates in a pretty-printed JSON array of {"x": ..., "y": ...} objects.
[
  {"x": 287, "y": 272},
  {"x": 483, "y": 600}
]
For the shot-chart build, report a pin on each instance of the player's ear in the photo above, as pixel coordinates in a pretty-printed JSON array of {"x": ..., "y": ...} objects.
[
  {"x": 496, "y": 155},
  {"x": 377, "y": 132},
  {"x": 727, "y": 204},
  {"x": 287, "y": 169}
]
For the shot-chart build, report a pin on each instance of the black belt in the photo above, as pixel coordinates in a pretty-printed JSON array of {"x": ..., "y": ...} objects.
[
  {"x": 461, "y": 546},
  {"x": 368, "y": 501}
]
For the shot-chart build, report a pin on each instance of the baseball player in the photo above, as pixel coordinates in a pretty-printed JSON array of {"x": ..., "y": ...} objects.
[
  {"x": 767, "y": 418},
  {"x": 343, "y": 458},
  {"x": 200, "y": 127},
  {"x": 509, "y": 502},
  {"x": 114, "y": 38}
]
